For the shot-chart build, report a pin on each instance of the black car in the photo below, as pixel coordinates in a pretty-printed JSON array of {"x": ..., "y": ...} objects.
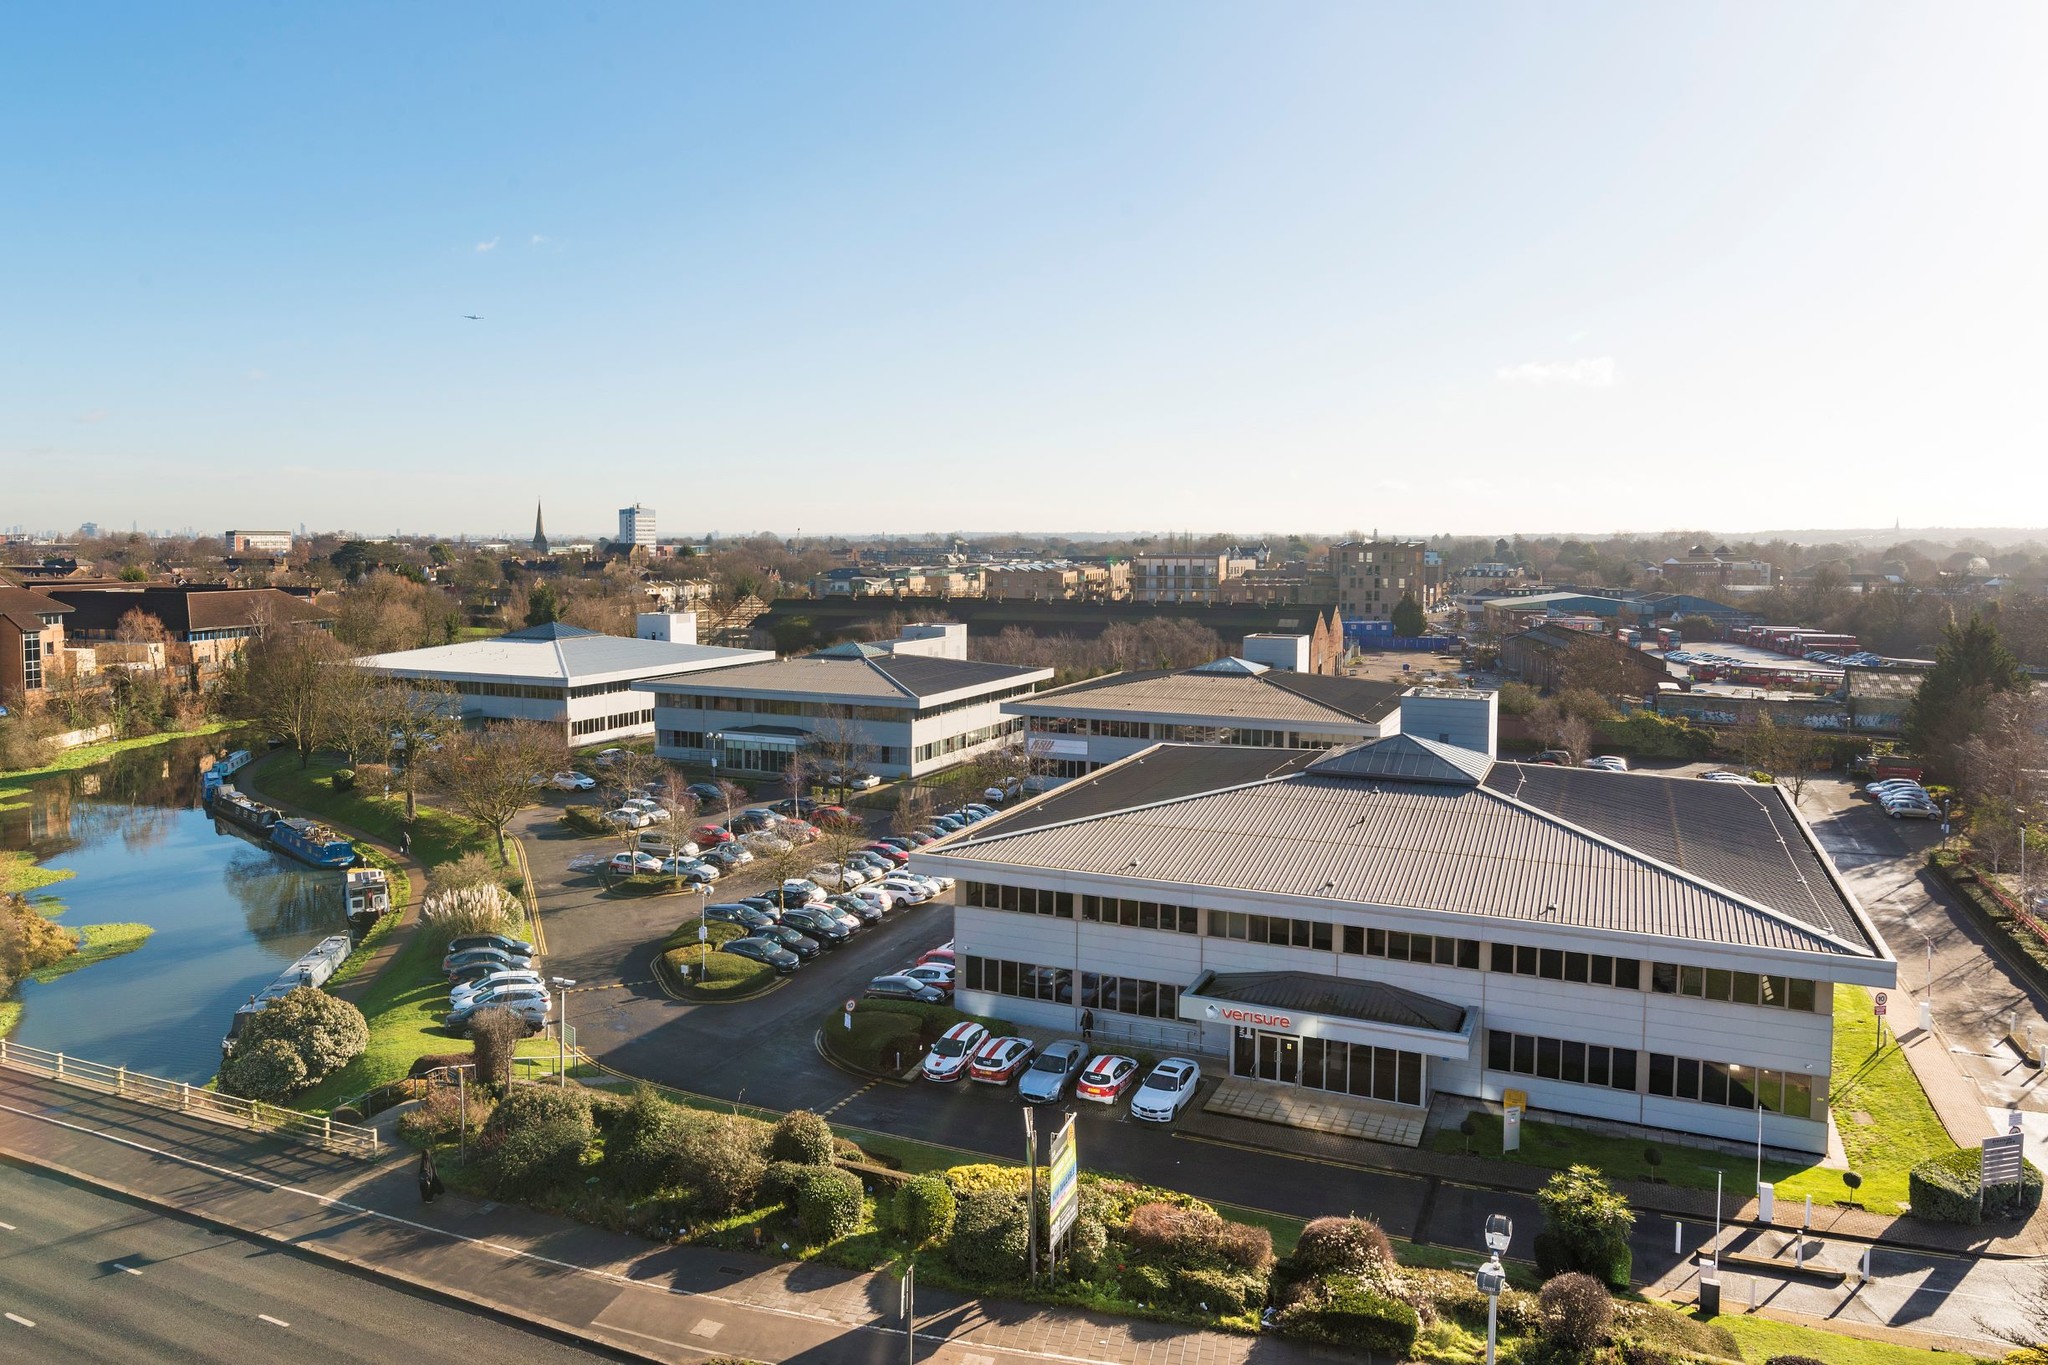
[
  {"x": 762, "y": 950},
  {"x": 746, "y": 916},
  {"x": 771, "y": 906},
  {"x": 708, "y": 796},
  {"x": 805, "y": 948},
  {"x": 867, "y": 912},
  {"x": 516, "y": 946},
  {"x": 787, "y": 900},
  {"x": 903, "y": 988},
  {"x": 726, "y": 856},
  {"x": 795, "y": 805},
  {"x": 827, "y": 931}
]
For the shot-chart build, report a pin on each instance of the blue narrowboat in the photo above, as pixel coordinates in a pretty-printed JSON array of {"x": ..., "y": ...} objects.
[
  {"x": 312, "y": 842},
  {"x": 319, "y": 963},
  {"x": 226, "y": 803}
]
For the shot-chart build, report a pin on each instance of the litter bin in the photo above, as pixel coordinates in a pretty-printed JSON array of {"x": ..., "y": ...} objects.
[
  {"x": 1766, "y": 1201},
  {"x": 1710, "y": 1291}
]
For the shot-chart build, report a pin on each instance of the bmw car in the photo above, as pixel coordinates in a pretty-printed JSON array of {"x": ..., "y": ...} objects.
[
  {"x": 1166, "y": 1091},
  {"x": 951, "y": 1056},
  {"x": 997, "y": 1061}
]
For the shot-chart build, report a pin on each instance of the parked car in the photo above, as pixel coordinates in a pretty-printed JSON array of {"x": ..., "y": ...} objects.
[
  {"x": 695, "y": 871},
  {"x": 708, "y": 796},
  {"x": 896, "y": 857},
  {"x": 1719, "y": 775},
  {"x": 942, "y": 953},
  {"x": 572, "y": 782},
  {"x": 1106, "y": 1078},
  {"x": 710, "y": 836},
  {"x": 761, "y": 950},
  {"x": 1556, "y": 758},
  {"x": 729, "y": 856},
  {"x": 664, "y": 844},
  {"x": 629, "y": 817},
  {"x": 794, "y": 805},
  {"x": 761, "y": 842},
  {"x": 934, "y": 974},
  {"x": 452, "y": 963},
  {"x": 978, "y": 809},
  {"x": 950, "y": 824},
  {"x": 816, "y": 923},
  {"x": 1612, "y": 763},
  {"x": 1166, "y": 1091},
  {"x": 651, "y": 809},
  {"x": 897, "y": 987},
  {"x": 997, "y": 1061},
  {"x": 865, "y": 908},
  {"x": 607, "y": 757},
  {"x": 1046, "y": 1080},
  {"x": 954, "y": 1052},
  {"x": 627, "y": 864},
  {"x": 463, "y": 992},
  {"x": 844, "y": 876},
  {"x": 463, "y": 943},
  {"x": 859, "y": 782},
  {"x": 805, "y": 887},
  {"x": 906, "y": 891},
  {"x": 746, "y": 916},
  {"x": 789, "y": 900},
  {"x": 804, "y": 946},
  {"x": 1905, "y": 808},
  {"x": 530, "y": 1003},
  {"x": 762, "y": 816}
]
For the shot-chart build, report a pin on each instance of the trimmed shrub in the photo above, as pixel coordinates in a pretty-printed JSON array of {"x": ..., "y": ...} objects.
[
  {"x": 1246, "y": 1246},
  {"x": 1588, "y": 1227},
  {"x": 828, "y": 1203},
  {"x": 1943, "y": 1189},
  {"x": 925, "y": 1209},
  {"x": 988, "y": 1244},
  {"x": 722, "y": 1158},
  {"x": 1146, "y": 1284},
  {"x": 343, "y": 779},
  {"x": 976, "y": 1179},
  {"x": 643, "y": 1151},
  {"x": 1224, "y": 1292},
  {"x": 1340, "y": 1311},
  {"x": 1347, "y": 1246},
  {"x": 495, "y": 1034},
  {"x": 268, "y": 1069},
  {"x": 326, "y": 1031},
  {"x": 1090, "y": 1247},
  {"x": 1172, "y": 1230},
  {"x": 535, "y": 1139},
  {"x": 585, "y": 820},
  {"x": 802, "y": 1137},
  {"x": 1577, "y": 1312},
  {"x": 434, "y": 1061},
  {"x": 437, "y": 1117}
]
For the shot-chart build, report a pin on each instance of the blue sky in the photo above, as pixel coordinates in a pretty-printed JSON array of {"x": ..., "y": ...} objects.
[{"x": 1058, "y": 267}]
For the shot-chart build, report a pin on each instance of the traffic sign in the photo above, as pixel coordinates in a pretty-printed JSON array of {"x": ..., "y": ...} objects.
[{"x": 1881, "y": 998}]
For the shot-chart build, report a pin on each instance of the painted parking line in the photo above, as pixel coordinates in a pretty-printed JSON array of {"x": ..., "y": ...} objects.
[
  {"x": 16, "y": 1317},
  {"x": 274, "y": 1322},
  {"x": 126, "y": 1269},
  {"x": 6, "y": 1227}
]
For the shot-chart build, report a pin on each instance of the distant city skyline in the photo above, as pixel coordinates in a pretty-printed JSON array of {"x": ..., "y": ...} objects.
[{"x": 907, "y": 266}]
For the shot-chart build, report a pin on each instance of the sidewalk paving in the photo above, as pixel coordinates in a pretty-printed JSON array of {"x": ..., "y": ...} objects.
[{"x": 661, "y": 1303}]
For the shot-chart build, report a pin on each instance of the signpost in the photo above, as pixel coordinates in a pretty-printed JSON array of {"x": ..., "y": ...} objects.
[
  {"x": 910, "y": 1313},
  {"x": 1882, "y": 998},
  {"x": 849, "y": 1013},
  {"x": 1513, "y": 1102},
  {"x": 1064, "y": 1183}
]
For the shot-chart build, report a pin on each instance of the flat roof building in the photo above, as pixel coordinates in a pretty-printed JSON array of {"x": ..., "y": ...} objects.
[
  {"x": 900, "y": 708},
  {"x": 562, "y": 675},
  {"x": 1407, "y": 918},
  {"x": 636, "y": 527}
]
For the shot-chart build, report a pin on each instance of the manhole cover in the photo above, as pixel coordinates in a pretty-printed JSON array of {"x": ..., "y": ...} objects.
[{"x": 1862, "y": 1119}]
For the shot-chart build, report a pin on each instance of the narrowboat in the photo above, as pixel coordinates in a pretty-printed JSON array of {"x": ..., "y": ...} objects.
[
  {"x": 314, "y": 968},
  {"x": 312, "y": 842}
]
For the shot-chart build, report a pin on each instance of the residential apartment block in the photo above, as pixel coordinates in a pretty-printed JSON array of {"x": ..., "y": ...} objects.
[
  {"x": 1372, "y": 578},
  {"x": 1190, "y": 578},
  {"x": 636, "y": 527}
]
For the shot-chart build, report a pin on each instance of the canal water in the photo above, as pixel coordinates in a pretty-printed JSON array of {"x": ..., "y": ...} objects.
[{"x": 229, "y": 914}]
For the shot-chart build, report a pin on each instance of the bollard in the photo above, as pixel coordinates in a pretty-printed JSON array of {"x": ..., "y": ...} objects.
[
  {"x": 1866, "y": 1264},
  {"x": 1799, "y": 1254},
  {"x": 1808, "y": 1224},
  {"x": 1752, "y": 1293},
  {"x": 60, "y": 1066},
  {"x": 1677, "y": 1236}
]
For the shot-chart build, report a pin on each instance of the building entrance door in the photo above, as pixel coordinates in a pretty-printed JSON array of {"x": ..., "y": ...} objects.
[{"x": 1279, "y": 1058}]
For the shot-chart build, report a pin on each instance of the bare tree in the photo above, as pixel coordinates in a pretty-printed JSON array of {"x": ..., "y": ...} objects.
[
  {"x": 843, "y": 749},
  {"x": 914, "y": 808},
  {"x": 289, "y": 683},
  {"x": 414, "y": 716},
  {"x": 674, "y": 796},
  {"x": 1786, "y": 752},
  {"x": 629, "y": 773},
  {"x": 2005, "y": 765},
  {"x": 494, "y": 1036},
  {"x": 731, "y": 793},
  {"x": 355, "y": 721},
  {"x": 489, "y": 775}
]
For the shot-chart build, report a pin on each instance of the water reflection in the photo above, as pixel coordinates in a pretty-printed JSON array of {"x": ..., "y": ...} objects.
[{"x": 228, "y": 913}]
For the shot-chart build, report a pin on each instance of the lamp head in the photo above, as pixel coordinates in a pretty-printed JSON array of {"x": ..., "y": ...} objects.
[{"x": 1499, "y": 1232}]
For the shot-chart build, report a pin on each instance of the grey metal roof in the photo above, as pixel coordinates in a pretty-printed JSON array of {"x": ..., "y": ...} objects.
[
  {"x": 1320, "y": 993},
  {"x": 1276, "y": 696},
  {"x": 902, "y": 679},
  {"x": 1470, "y": 850},
  {"x": 557, "y": 653},
  {"x": 1408, "y": 757},
  {"x": 922, "y": 675}
]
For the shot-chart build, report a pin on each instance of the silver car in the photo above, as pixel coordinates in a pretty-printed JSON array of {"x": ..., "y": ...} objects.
[{"x": 1046, "y": 1080}]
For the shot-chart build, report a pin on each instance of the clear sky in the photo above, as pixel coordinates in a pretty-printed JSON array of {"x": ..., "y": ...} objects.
[{"x": 855, "y": 266}]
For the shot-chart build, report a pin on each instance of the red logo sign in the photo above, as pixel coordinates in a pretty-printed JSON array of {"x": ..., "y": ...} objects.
[{"x": 1238, "y": 1016}]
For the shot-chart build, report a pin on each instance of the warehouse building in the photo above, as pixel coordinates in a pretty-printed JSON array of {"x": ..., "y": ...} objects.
[{"x": 1408, "y": 917}]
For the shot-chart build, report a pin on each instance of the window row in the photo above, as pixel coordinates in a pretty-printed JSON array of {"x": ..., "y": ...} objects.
[
  {"x": 1058, "y": 985},
  {"x": 1743, "y": 988},
  {"x": 1556, "y": 964},
  {"x": 597, "y": 724},
  {"x": 1175, "y": 919},
  {"x": 528, "y": 691},
  {"x": 1397, "y": 946},
  {"x": 1556, "y": 1059},
  {"x": 953, "y": 744},
  {"x": 601, "y": 689},
  {"x": 1028, "y": 900},
  {"x": 1736, "y": 1086},
  {"x": 31, "y": 660},
  {"x": 1188, "y": 734},
  {"x": 1273, "y": 929}
]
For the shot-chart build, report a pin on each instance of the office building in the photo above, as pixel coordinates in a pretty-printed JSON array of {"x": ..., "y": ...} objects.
[{"x": 636, "y": 527}]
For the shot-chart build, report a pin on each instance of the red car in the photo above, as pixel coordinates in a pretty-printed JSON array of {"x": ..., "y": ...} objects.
[
  {"x": 891, "y": 852},
  {"x": 937, "y": 975},
  {"x": 1106, "y": 1079},
  {"x": 942, "y": 955},
  {"x": 835, "y": 817},
  {"x": 711, "y": 836},
  {"x": 999, "y": 1060}
]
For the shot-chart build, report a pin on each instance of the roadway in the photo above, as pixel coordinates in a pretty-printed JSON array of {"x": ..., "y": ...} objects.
[{"x": 88, "y": 1277}]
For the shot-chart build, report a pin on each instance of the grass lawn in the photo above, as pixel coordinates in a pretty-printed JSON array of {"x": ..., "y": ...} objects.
[
  {"x": 438, "y": 836},
  {"x": 8, "y": 797},
  {"x": 1762, "y": 1338},
  {"x": 99, "y": 942},
  {"x": 1903, "y": 1130},
  {"x": 10, "y": 1015},
  {"x": 86, "y": 755},
  {"x": 20, "y": 875}
]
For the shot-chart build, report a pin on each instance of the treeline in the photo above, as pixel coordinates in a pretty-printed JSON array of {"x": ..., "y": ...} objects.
[{"x": 1174, "y": 642}]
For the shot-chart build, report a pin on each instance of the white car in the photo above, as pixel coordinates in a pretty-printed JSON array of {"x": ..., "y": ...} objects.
[
  {"x": 607, "y": 757},
  {"x": 858, "y": 782},
  {"x": 628, "y": 817},
  {"x": 878, "y": 896},
  {"x": 694, "y": 870},
  {"x": 805, "y": 887},
  {"x": 572, "y": 782},
  {"x": 1612, "y": 763},
  {"x": 651, "y": 809},
  {"x": 761, "y": 841},
  {"x": 954, "y": 1052},
  {"x": 626, "y": 864},
  {"x": 906, "y": 890},
  {"x": 1166, "y": 1091},
  {"x": 1720, "y": 776},
  {"x": 845, "y": 878},
  {"x": 463, "y": 992}
]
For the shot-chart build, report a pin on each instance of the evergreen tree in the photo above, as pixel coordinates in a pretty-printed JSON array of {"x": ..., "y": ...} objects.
[
  {"x": 1408, "y": 618},
  {"x": 542, "y": 606},
  {"x": 1971, "y": 665}
]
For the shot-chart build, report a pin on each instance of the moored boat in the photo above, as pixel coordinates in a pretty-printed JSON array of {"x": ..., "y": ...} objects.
[
  {"x": 312, "y": 842},
  {"x": 313, "y": 968}
]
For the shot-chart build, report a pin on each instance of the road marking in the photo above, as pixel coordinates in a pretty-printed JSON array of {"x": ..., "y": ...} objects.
[
  {"x": 126, "y": 1269},
  {"x": 849, "y": 1099},
  {"x": 706, "y": 1328},
  {"x": 16, "y": 1317},
  {"x": 6, "y": 1227},
  {"x": 274, "y": 1322}
]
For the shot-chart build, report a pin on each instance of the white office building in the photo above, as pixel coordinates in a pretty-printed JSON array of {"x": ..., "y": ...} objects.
[
  {"x": 898, "y": 708},
  {"x": 564, "y": 675},
  {"x": 636, "y": 526},
  {"x": 1407, "y": 918}
]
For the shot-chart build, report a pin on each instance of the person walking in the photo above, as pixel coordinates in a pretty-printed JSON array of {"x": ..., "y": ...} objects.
[
  {"x": 405, "y": 841},
  {"x": 1088, "y": 1028},
  {"x": 430, "y": 1179}
]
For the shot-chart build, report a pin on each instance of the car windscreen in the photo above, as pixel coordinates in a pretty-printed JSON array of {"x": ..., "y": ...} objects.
[
  {"x": 948, "y": 1047},
  {"x": 1049, "y": 1061}
]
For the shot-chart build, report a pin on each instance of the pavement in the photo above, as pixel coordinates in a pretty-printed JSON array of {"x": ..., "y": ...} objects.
[{"x": 508, "y": 1263}]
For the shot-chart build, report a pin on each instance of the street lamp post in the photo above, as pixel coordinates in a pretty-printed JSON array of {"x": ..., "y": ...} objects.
[
  {"x": 1492, "y": 1277},
  {"x": 562, "y": 985}
]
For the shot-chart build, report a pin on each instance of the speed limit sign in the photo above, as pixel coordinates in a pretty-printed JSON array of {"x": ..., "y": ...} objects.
[{"x": 1881, "y": 998}]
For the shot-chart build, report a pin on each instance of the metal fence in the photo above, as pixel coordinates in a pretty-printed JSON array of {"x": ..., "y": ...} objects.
[
  {"x": 255, "y": 1115},
  {"x": 2021, "y": 914}
]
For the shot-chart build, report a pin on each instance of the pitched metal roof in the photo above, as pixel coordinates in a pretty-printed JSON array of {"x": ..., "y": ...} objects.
[
  {"x": 1224, "y": 696},
  {"x": 1463, "y": 849},
  {"x": 558, "y": 653},
  {"x": 1319, "y": 993},
  {"x": 923, "y": 675},
  {"x": 1408, "y": 757},
  {"x": 903, "y": 679}
]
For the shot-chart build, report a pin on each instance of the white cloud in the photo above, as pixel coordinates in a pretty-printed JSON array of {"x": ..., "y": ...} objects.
[
  {"x": 539, "y": 239},
  {"x": 487, "y": 246},
  {"x": 1595, "y": 372}
]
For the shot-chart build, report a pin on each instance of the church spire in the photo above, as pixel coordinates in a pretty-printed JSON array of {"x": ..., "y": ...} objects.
[{"x": 540, "y": 536}]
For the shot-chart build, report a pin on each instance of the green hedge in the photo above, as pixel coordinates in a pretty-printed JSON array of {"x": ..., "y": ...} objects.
[
  {"x": 718, "y": 974},
  {"x": 827, "y": 1201},
  {"x": 925, "y": 1209},
  {"x": 1943, "y": 1189},
  {"x": 1649, "y": 735},
  {"x": 935, "y": 1018},
  {"x": 1341, "y": 1312},
  {"x": 586, "y": 820},
  {"x": 1554, "y": 1256}
]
